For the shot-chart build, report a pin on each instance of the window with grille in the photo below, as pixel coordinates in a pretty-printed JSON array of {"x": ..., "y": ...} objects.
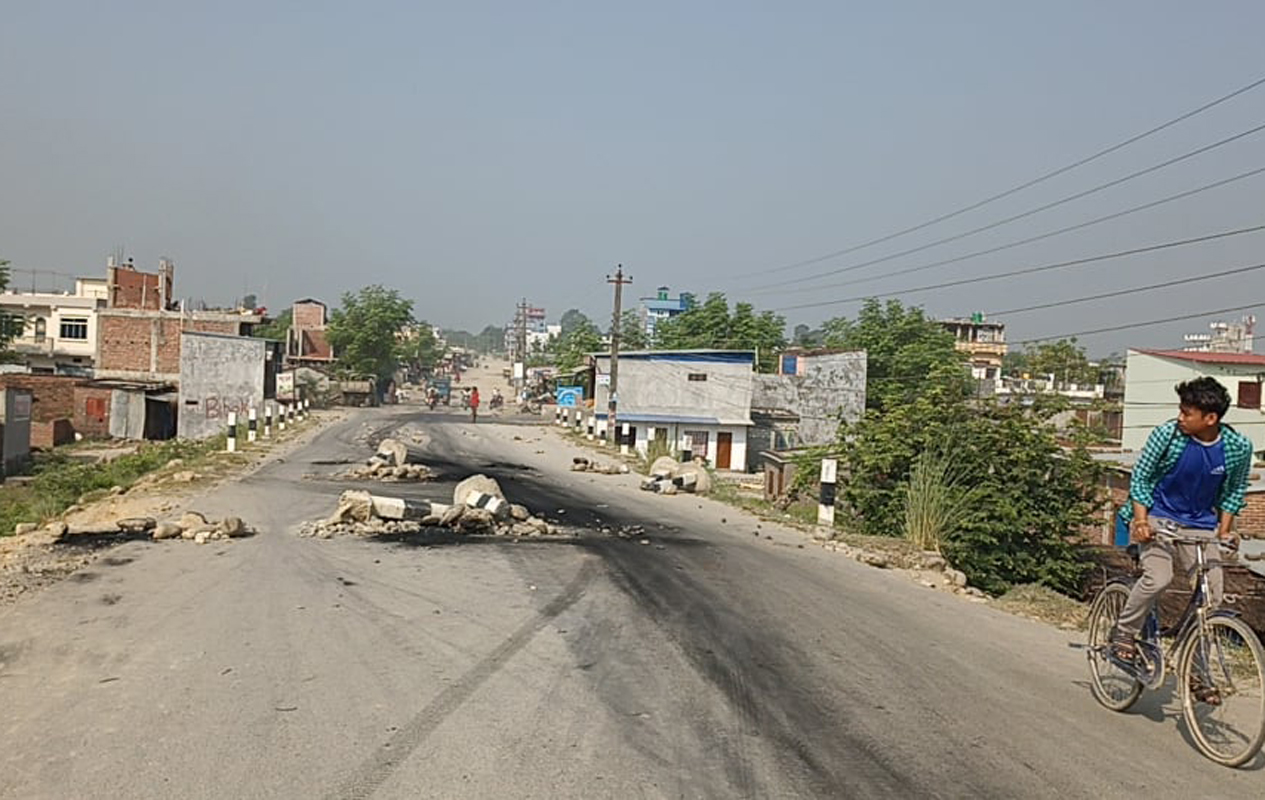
[
  {"x": 1249, "y": 394},
  {"x": 74, "y": 328},
  {"x": 698, "y": 376}
]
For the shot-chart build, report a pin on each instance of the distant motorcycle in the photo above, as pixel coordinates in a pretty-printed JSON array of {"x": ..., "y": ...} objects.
[{"x": 496, "y": 402}]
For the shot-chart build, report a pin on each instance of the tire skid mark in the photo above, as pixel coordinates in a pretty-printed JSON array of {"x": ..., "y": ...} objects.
[{"x": 375, "y": 770}]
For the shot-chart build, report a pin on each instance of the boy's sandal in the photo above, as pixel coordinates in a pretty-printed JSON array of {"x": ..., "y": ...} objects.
[{"x": 1123, "y": 648}]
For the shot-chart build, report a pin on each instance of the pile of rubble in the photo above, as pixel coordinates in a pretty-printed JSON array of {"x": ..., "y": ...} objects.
[
  {"x": 478, "y": 507},
  {"x": 392, "y": 462},
  {"x": 669, "y": 476},
  {"x": 582, "y": 464},
  {"x": 191, "y": 526}
]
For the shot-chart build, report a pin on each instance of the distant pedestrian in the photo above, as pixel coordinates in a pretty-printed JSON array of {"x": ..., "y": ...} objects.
[{"x": 474, "y": 404}]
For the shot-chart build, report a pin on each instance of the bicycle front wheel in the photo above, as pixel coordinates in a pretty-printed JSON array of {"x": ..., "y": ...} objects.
[
  {"x": 1112, "y": 686},
  {"x": 1222, "y": 674}
]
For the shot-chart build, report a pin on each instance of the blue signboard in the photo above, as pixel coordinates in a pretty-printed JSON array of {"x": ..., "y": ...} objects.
[{"x": 570, "y": 396}]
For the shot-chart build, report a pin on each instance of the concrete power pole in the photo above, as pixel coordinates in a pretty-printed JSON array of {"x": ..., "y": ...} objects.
[
  {"x": 619, "y": 281},
  {"x": 520, "y": 343}
]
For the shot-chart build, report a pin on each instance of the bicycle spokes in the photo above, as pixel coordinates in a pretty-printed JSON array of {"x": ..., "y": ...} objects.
[{"x": 1224, "y": 698}]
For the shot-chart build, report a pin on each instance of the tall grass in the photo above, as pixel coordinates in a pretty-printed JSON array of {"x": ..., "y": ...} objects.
[
  {"x": 656, "y": 449},
  {"x": 937, "y": 501}
]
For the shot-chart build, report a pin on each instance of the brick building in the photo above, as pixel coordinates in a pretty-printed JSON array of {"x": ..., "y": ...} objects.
[
  {"x": 145, "y": 345},
  {"x": 306, "y": 344},
  {"x": 128, "y": 287}
]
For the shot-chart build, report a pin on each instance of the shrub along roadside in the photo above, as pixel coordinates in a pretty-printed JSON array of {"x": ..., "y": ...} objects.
[{"x": 59, "y": 482}]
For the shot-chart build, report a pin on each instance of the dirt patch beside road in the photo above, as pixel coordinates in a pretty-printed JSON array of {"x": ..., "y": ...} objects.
[{"x": 85, "y": 531}]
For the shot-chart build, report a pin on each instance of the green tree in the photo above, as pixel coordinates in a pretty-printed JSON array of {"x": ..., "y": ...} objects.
[
  {"x": 709, "y": 325},
  {"x": 571, "y": 350},
  {"x": 365, "y": 331},
  {"x": 421, "y": 349},
  {"x": 907, "y": 354},
  {"x": 10, "y": 324},
  {"x": 275, "y": 328},
  {"x": 1031, "y": 497},
  {"x": 1063, "y": 359},
  {"x": 631, "y": 334},
  {"x": 573, "y": 318}
]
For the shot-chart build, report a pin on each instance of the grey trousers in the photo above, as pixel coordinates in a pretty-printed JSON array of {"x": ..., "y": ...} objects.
[{"x": 1157, "y": 572}]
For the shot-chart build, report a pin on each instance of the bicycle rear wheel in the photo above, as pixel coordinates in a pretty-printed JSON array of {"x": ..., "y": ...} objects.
[
  {"x": 1227, "y": 659},
  {"x": 1112, "y": 686}
]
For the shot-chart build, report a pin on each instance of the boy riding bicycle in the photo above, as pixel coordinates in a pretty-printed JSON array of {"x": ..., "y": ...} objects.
[{"x": 1189, "y": 481}]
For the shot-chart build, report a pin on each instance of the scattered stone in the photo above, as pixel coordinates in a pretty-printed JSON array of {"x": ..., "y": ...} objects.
[
  {"x": 664, "y": 467},
  {"x": 353, "y": 506},
  {"x": 452, "y": 516},
  {"x": 698, "y": 474},
  {"x": 476, "y": 520},
  {"x": 167, "y": 530},
  {"x": 543, "y": 528},
  {"x": 393, "y": 452},
  {"x": 519, "y": 512},
  {"x": 231, "y": 527},
  {"x": 23, "y": 528},
  {"x": 185, "y": 476},
  {"x": 201, "y": 537},
  {"x": 929, "y": 559},
  {"x": 137, "y": 524},
  {"x": 192, "y": 519},
  {"x": 874, "y": 560},
  {"x": 956, "y": 577},
  {"x": 476, "y": 483},
  {"x": 115, "y": 491}
]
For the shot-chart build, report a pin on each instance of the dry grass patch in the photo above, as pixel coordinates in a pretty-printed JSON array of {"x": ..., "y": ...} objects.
[{"x": 1043, "y": 603}]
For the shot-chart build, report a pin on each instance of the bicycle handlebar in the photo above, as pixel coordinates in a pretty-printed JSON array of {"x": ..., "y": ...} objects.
[{"x": 1231, "y": 545}]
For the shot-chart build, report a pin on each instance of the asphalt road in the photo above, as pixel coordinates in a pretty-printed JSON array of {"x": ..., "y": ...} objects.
[{"x": 713, "y": 662}]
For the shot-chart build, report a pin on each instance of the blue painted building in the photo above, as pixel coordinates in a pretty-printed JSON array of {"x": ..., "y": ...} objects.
[{"x": 661, "y": 307}]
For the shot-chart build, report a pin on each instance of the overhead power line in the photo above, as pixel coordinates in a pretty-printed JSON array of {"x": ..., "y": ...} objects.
[
  {"x": 1024, "y": 214},
  {"x": 1032, "y": 270},
  {"x": 1148, "y": 323},
  {"x": 1184, "y": 281},
  {"x": 1051, "y": 234},
  {"x": 1015, "y": 189}
]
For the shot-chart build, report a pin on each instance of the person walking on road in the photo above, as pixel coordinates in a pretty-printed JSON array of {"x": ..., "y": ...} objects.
[{"x": 474, "y": 404}]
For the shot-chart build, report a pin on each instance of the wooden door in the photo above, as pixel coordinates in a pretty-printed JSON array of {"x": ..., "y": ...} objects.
[{"x": 724, "y": 443}]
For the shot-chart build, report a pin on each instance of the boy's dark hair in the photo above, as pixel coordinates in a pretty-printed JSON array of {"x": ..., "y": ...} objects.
[{"x": 1205, "y": 394}]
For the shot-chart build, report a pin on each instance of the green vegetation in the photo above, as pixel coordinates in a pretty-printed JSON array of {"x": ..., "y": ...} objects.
[
  {"x": 937, "y": 501},
  {"x": 631, "y": 336},
  {"x": 365, "y": 332},
  {"x": 1029, "y": 496},
  {"x": 905, "y": 353},
  {"x": 579, "y": 338},
  {"x": 60, "y": 482},
  {"x": 275, "y": 328},
  {"x": 711, "y": 325},
  {"x": 1063, "y": 359},
  {"x": 10, "y": 324}
]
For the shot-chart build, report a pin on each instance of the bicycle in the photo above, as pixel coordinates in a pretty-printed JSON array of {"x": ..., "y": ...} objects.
[{"x": 1217, "y": 659}]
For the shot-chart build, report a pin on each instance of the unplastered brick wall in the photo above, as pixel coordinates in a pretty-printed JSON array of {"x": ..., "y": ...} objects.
[
  {"x": 52, "y": 396},
  {"x": 92, "y": 411},
  {"x": 149, "y": 342}
]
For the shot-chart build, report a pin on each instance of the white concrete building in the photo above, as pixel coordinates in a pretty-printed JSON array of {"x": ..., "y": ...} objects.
[
  {"x": 59, "y": 336},
  {"x": 695, "y": 400},
  {"x": 1151, "y": 375}
]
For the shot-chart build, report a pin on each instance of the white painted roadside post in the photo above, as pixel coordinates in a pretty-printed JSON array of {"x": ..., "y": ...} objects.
[
  {"x": 557, "y": 415},
  {"x": 826, "y": 508},
  {"x": 232, "y": 431},
  {"x": 579, "y": 420},
  {"x": 624, "y": 444},
  {"x": 281, "y": 417},
  {"x": 601, "y": 431},
  {"x": 252, "y": 425},
  {"x": 267, "y": 420},
  {"x": 589, "y": 434},
  {"x": 290, "y": 412},
  {"x": 307, "y": 408}
]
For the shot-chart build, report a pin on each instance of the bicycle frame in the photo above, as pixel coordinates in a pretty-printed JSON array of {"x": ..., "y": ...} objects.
[{"x": 1193, "y": 619}]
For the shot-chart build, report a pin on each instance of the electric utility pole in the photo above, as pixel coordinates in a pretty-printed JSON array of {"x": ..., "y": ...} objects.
[
  {"x": 619, "y": 281},
  {"x": 520, "y": 344}
]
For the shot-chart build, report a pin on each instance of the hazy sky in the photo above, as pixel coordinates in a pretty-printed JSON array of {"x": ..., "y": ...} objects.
[{"x": 473, "y": 153}]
